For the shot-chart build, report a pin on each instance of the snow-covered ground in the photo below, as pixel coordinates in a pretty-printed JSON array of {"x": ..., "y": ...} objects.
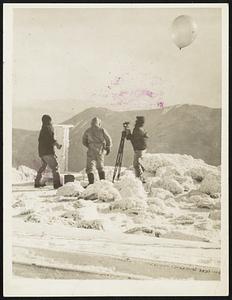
[
  {"x": 172, "y": 220},
  {"x": 22, "y": 175}
]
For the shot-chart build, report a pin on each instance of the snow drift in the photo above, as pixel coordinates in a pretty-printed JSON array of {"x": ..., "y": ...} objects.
[
  {"x": 103, "y": 190},
  {"x": 70, "y": 189},
  {"x": 180, "y": 199},
  {"x": 22, "y": 175}
]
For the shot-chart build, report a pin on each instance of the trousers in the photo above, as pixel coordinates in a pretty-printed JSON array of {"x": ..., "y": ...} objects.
[
  {"x": 138, "y": 154},
  {"x": 49, "y": 160},
  {"x": 94, "y": 158}
]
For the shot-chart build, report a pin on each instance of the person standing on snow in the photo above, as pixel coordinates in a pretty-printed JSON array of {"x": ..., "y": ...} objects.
[
  {"x": 47, "y": 153},
  {"x": 138, "y": 139},
  {"x": 99, "y": 143}
]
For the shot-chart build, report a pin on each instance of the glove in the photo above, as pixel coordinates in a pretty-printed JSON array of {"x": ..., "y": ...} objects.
[
  {"x": 107, "y": 151},
  {"x": 58, "y": 146}
]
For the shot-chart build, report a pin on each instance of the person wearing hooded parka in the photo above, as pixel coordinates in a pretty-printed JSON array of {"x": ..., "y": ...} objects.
[{"x": 98, "y": 142}]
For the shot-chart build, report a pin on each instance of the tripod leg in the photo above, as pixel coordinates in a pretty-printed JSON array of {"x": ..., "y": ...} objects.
[
  {"x": 119, "y": 165},
  {"x": 121, "y": 157},
  {"x": 117, "y": 159}
]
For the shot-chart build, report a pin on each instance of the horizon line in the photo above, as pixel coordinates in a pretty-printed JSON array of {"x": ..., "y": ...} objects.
[{"x": 101, "y": 107}]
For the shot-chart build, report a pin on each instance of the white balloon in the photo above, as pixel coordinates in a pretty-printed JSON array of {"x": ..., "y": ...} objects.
[{"x": 184, "y": 31}]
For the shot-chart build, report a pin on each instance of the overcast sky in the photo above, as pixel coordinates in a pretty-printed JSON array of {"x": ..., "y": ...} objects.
[{"x": 110, "y": 56}]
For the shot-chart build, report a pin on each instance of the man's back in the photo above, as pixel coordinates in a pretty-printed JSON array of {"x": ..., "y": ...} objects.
[
  {"x": 46, "y": 140},
  {"x": 95, "y": 135}
]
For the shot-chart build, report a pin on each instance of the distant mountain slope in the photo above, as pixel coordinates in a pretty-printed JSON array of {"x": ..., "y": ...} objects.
[
  {"x": 24, "y": 148},
  {"x": 184, "y": 129}
]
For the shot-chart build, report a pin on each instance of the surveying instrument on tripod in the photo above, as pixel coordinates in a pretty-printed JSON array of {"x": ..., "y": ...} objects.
[{"x": 118, "y": 164}]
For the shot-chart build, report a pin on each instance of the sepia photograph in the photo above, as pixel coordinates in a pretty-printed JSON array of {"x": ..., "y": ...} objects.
[{"x": 115, "y": 149}]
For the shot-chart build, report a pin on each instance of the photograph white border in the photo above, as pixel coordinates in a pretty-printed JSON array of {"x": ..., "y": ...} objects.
[{"x": 38, "y": 287}]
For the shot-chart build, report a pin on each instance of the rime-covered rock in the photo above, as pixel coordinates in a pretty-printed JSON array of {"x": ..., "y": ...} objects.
[
  {"x": 70, "y": 189},
  {"x": 102, "y": 190}
]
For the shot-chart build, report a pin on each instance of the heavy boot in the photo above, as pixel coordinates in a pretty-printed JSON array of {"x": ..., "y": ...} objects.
[
  {"x": 38, "y": 184},
  {"x": 101, "y": 175},
  {"x": 57, "y": 185},
  {"x": 90, "y": 178},
  {"x": 142, "y": 179},
  {"x": 56, "y": 180}
]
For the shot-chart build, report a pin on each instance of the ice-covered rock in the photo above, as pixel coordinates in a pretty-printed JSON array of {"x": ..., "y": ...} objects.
[
  {"x": 160, "y": 193},
  {"x": 28, "y": 172},
  {"x": 133, "y": 195},
  {"x": 102, "y": 190},
  {"x": 70, "y": 189},
  {"x": 129, "y": 203},
  {"x": 151, "y": 182},
  {"x": 169, "y": 171},
  {"x": 151, "y": 162},
  {"x": 170, "y": 202},
  {"x": 130, "y": 186},
  {"x": 70, "y": 214},
  {"x": 200, "y": 200},
  {"x": 90, "y": 224},
  {"x": 171, "y": 165},
  {"x": 200, "y": 171},
  {"x": 140, "y": 229},
  {"x": 215, "y": 215},
  {"x": 33, "y": 217},
  {"x": 197, "y": 173},
  {"x": 211, "y": 184},
  {"x": 170, "y": 185},
  {"x": 156, "y": 201},
  {"x": 18, "y": 204},
  {"x": 23, "y": 174},
  {"x": 186, "y": 182},
  {"x": 183, "y": 220},
  {"x": 175, "y": 162}
]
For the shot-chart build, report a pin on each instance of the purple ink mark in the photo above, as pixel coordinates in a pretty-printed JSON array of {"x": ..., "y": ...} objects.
[
  {"x": 148, "y": 93},
  {"x": 160, "y": 104}
]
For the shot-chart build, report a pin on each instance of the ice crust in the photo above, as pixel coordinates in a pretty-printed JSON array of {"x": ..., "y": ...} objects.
[
  {"x": 23, "y": 174},
  {"x": 71, "y": 189},
  {"x": 181, "y": 198}
]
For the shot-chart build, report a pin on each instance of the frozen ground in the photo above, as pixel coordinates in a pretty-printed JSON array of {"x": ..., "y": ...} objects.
[{"x": 168, "y": 227}]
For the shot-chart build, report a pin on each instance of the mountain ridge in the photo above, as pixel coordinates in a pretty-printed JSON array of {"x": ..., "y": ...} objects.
[{"x": 186, "y": 129}]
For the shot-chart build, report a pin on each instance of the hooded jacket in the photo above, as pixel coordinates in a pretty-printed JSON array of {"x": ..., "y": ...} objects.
[{"x": 96, "y": 137}]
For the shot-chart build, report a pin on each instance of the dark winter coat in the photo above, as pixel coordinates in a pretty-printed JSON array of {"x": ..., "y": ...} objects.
[
  {"x": 46, "y": 141},
  {"x": 138, "y": 138}
]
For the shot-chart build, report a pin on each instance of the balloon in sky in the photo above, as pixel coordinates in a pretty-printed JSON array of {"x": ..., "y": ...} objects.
[{"x": 184, "y": 31}]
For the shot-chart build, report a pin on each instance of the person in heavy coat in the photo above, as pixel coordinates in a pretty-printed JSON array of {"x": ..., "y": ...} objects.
[
  {"x": 46, "y": 152},
  {"x": 99, "y": 143},
  {"x": 138, "y": 138}
]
